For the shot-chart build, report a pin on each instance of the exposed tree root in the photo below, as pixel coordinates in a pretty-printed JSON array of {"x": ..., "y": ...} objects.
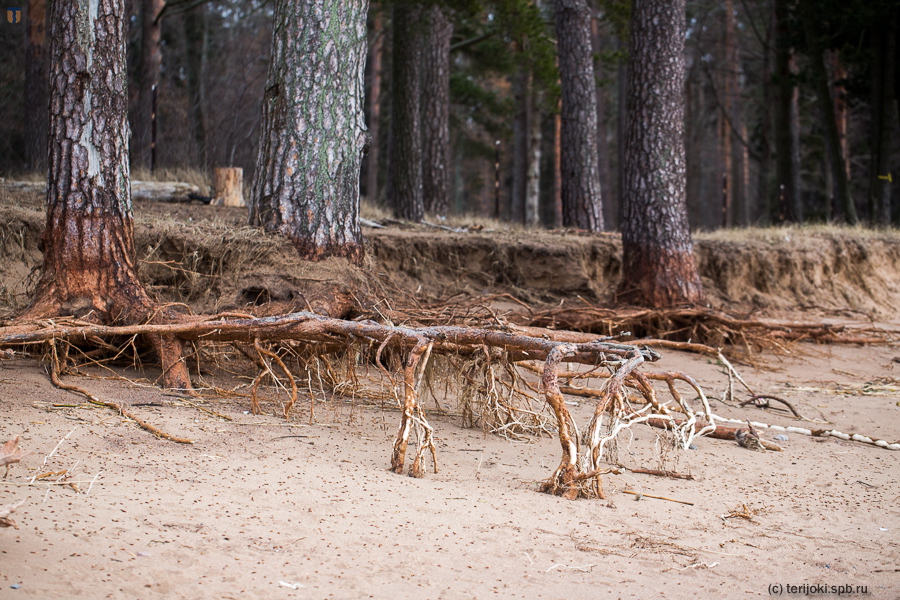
[
  {"x": 697, "y": 330},
  {"x": 53, "y": 371},
  {"x": 579, "y": 472},
  {"x": 705, "y": 326}
]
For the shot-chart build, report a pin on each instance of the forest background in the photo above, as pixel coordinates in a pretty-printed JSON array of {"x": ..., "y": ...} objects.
[{"x": 757, "y": 127}]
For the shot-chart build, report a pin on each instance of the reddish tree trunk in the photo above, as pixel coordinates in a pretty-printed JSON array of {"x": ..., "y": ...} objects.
[
  {"x": 658, "y": 267},
  {"x": 436, "y": 113},
  {"x": 88, "y": 243}
]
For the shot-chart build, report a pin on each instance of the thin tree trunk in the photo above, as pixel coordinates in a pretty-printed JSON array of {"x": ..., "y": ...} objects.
[
  {"x": 36, "y": 86},
  {"x": 727, "y": 84},
  {"x": 786, "y": 121},
  {"x": 838, "y": 168},
  {"x": 436, "y": 112},
  {"x": 375, "y": 60},
  {"x": 521, "y": 142},
  {"x": 88, "y": 243},
  {"x": 558, "y": 218},
  {"x": 764, "y": 204},
  {"x": 148, "y": 79},
  {"x": 726, "y": 170},
  {"x": 582, "y": 207},
  {"x": 405, "y": 174},
  {"x": 884, "y": 120},
  {"x": 841, "y": 108},
  {"x": 621, "y": 117},
  {"x": 306, "y": 182},
  {"x": 610, "y": 198},
  {"x": 658, "y": 265},
  {"x": 533, "y": 172},
  {"x": 734, "y": 107},
  {"x": 195, "y": 33}
]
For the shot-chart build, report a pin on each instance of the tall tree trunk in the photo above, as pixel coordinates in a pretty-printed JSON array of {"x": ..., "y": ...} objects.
[
  {"x": 838, "y": 167},
  {"x": 884, "y": 119},
  {"x": 521, "y": 148},
  {"x": 727, "y": 83},
  {"x": 786, "y": 121},
  {"x": 726, "y": 169},
  {"x": 142, "y": 142},
  {"x": 533, "y": 170},
  {"x": 405, "y": 173},
  {"x": 558, "y": 218},
  {"x": 610, "y": 198},
  {"x": 372, "y": 159},
  {"x": 621, "y": 117},
  {"x": 88, "y": 243},
  {"x": 763, "y": 192},
  {"x": 737, "y": 128},
  {"x": 658, "y": 265},
  {"x": 841, "y": 107},
  {"x": 306, "y": 182},
  {"x": 36, "y": 86},
  {"x": 195, "y": 33},
  {"x": 436, "y": 112},
  {"x": 579, "y": 164}
]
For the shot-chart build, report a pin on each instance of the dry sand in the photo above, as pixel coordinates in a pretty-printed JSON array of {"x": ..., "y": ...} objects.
[{"x": 260, "y": 508}]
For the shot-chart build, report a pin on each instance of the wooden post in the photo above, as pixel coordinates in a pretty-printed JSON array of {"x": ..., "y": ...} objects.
[{"x": 229, "y": 186}]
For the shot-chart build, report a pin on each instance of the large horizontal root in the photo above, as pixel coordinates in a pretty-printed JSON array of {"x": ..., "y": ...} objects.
[{"x": 626, "y": 397}]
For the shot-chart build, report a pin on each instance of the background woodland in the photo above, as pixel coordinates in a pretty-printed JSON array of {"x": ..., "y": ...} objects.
[{"x": 756, "y": 135}]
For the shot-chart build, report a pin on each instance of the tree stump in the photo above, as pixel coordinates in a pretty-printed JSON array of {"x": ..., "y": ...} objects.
[{"x": 229, "y": 186}]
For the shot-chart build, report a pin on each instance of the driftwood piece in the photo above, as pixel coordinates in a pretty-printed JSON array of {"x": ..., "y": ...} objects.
[
  {"x": 153, "y": 191},
  {"x": 721, "y": 432},
  {"x": 163, "y": 191}
]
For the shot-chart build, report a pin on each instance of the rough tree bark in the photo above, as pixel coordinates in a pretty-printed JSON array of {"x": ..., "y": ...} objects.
[
  {"x": 579, "y": 166},
  {"x": 142, "y": 142},
  {"x": 88, "y": 243},
  {"x": 36, "y": 82},
  {"x": 658, "y": 260},
  {"x": 436, "y": 112},
  {"x": 306, "y": 183},
  {"x": 405, "y": 174},
  {"x": 786, "y": 121}
]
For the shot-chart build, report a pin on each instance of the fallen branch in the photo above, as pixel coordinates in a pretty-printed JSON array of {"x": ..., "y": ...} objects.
[
  {"x": 762, "y": 401},
  {"x": 720, "y": 432},
  {"x": 658, "y": 473},
  {"x": 639, "y": 496}
]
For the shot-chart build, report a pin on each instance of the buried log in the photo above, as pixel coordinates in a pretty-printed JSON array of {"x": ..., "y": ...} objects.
[{"x": 578, "y": 474}]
